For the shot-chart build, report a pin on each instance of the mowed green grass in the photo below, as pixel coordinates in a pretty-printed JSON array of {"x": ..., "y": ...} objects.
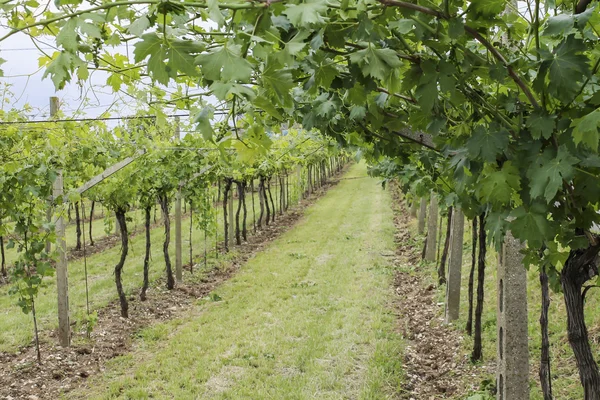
[
  {"x": 16, "y": 328},
  {"x": 306, "y": 318}
]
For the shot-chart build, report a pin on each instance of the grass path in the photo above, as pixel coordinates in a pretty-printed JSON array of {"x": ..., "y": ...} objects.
[{"x": 305, "y": 319}]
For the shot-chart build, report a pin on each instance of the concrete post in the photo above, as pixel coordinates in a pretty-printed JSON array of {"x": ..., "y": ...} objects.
[
  {"x": 512, "y": 374},
  {"x": 178, "y": 256},
  {"x": 432, "y": 229},
  {"x": 413, "y": 208},
  {"x": 62, "y": 286},
  {"x": 455, "y": 266},
  {"x": 422, "y": 214}
]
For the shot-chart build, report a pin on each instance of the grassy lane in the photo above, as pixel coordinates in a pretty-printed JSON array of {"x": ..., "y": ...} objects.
[
  {"x": 16, "y": 328},
  {"x": 305, "y": 319}
]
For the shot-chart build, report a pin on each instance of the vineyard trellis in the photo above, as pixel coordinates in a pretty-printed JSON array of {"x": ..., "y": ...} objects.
[{"x": 491, "y": 105}]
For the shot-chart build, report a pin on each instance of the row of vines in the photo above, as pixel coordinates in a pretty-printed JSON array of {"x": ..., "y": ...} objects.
[
  {"x": 492, "y": 104},
  {"x": 165, "y": 171}
]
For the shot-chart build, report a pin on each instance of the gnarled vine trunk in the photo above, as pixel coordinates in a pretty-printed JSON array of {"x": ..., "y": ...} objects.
[
  {"x": 545, "y": 376},
  {"x": 226, "y": 226},
  {"x": 581, "y": 265},
  {"x": 120, "y": 214},
  {"x": 261, "y": 200},
  {"x": 245, "y": 210},
  {"x": 3, "y": 260},
  {"x": 147, "y": 211},
  {"x": 469, "y": 327},
  {"x": 78, "y": 226},
  {"x": 238, "y": 238},
  {"x": 477, "y": 354},
  {"x": 273, "y": 210},
  {"x": 253, "y": 209},
  {"x": 91, "y": 219},
  {"x": 164, "y": 205}
]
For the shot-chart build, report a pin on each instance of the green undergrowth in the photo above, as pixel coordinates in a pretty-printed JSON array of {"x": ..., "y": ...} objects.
[
  {"x": 306, "y": 318},
  {"x": 565, "y": 378}
]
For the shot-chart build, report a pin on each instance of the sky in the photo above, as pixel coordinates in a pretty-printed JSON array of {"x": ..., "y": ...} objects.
[{"x": 22, "y": 73}]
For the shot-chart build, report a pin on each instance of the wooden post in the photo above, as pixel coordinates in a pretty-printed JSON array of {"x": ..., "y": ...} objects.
[
  {"x": 178, "y": 256},
  {"x": 62, "y": 286},
  {"x": 54, "y": 107}
]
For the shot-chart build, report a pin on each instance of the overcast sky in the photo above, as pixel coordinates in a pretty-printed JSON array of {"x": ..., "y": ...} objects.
[{"x": 22, "y": 73}]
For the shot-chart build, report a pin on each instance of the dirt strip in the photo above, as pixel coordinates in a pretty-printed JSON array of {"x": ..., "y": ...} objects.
[
  {"x": 64, "y": 369},
  {"x": 435, "y": 361}
]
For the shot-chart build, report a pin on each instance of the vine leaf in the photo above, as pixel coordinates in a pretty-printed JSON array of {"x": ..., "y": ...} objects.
[
  {"x": 225, "y": 64},
  {"x": 375, "y": 62},
  {"x": 203, "y": 122},
  {"x": 487, "y": 8},
  {"x": 548, "y": 171},
  {"x": 567, "y": 68},
  {"x": 497, "y": 186},
  {"x": 540, "y": 124},
  {"x": 586, "y": 130},
  {"x": 487, "y": 143},
  {"x": 307, "y": 13},
  {"x": 530, "y": 225},
  {"x": 67, "y": 37}
]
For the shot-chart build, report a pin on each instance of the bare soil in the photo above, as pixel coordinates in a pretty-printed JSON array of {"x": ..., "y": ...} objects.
[{"x": 64, "y": 369}]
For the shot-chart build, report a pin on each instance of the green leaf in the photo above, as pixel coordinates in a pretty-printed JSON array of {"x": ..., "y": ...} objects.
[
  {"x": 59, "y": 70},
  {"x": 225, "y": 64},
  {"x": 358, "y": 112},
  {"x": 586, "y": 130},
  {"x": 67, "y": 37},
  {"x": 203, "y": 120},
  {"x": 223, "y": 89},
  {"x": 307, "y": 13},
  {"x": 376, "y": 62},
  {"x": 487, "y": 8},
  {"x": 568, "y": 67},
  {"x": 139, "y": 26},
  {"x": 214, "y": 12},
  {"x": 497, "y": 186},
  {"x": 153, "y": 46},
  {"x": 487, "y": 143},
  {"x": 530, "y": 225},
  {"x": 181, "y": 58},
  {"x": 403, "y": 26},
  {"x": 456, "y": 28},
  {"x": 559, "y": 25},
  {"x": 279, "y": 82},
  {"x": 540, "y": 124},
  {"x": 547, "y": 172},
  {"x": 265, "y": 104}
]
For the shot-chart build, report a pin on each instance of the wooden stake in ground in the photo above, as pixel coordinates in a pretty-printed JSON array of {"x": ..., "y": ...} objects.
[{"x": 62, "y": 285}]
